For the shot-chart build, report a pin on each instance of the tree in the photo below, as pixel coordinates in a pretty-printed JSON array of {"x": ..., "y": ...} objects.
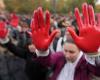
[
  {"x": 59, "y": 6},
  {"x": 19, "y": 6}
]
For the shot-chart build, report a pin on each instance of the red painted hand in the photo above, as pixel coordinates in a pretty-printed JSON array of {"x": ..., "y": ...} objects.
[
  {"x": 3, "y": 30},
  {"x": 14, "y": 20},
  {"x": 89, "y": 33},
  {"x": 40, "y": 30}
]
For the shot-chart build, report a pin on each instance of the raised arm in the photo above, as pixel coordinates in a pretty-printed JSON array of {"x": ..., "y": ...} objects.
[
  {"x": 5, "y": 41},
  {"x": 88, "y": 39},
  {"x": 89, "y": 33},
  {"x": 40, "y": 30}
]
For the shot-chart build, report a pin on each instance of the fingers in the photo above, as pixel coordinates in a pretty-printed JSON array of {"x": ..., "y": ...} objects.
[
  {"x": 73, "y": 34},
  {"x": 32, "y": 25},
  {"x": 14, "y": 20},
  {"x": 40, "y": 18},
  {"x": 52, "y": 36},
  {"x": 91, "y": 15},
  {"x": 36, "y": 20},
  {"x": 47, "y": 21},
  {"x": 78, "y": 19},
  {"x": 32, "y": 28},
  {"x": 85, "y": 13},
  {"x": 88, "y": 16}
]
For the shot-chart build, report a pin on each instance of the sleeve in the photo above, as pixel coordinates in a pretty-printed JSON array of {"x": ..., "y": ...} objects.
[
  {"x": 93, "y": 64},
  {"x": 42, "y": 53},
  {"x": 93, "y": 59},
  {"x": 13, "y": 48}
]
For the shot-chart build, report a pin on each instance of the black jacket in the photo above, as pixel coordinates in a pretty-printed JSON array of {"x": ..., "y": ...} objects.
[{"x": 34, "y": 70}]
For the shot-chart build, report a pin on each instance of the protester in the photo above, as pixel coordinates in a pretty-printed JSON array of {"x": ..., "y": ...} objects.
[
  {"x": 26, "y": 52},
  {"x": 80, "y": 56}
]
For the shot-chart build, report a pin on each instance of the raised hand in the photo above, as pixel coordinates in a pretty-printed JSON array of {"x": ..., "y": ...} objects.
[
  {"x": 14, "y": 20},
  {"x": 89, "y": 33},
  {"x": 3, "y": 30},
  {"x": 40, "y": 30}
]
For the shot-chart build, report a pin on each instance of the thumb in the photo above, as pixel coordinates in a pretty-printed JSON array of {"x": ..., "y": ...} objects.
[
  {"x": 72, "y": 33},
  {"x": 30, "y": 33},
  {"x": 52, "y": 36}
]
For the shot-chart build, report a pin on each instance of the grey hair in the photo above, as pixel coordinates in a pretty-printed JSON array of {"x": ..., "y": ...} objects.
[{"x": 69, "y": 40}]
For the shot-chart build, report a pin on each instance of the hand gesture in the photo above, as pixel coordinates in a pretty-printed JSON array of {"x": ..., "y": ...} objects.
[
  {"x": 40, "y": 30},
  {"x": 3, "y": 30},
  {"x": 14, "y": 20},
  {"x": 89, "y": 33}
]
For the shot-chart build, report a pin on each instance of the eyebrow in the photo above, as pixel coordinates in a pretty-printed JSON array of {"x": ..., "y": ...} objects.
[{"x": 69, "y": 50}]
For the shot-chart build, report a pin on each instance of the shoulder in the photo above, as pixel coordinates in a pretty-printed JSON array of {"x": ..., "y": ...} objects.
[{"x": 57, "y": 56}]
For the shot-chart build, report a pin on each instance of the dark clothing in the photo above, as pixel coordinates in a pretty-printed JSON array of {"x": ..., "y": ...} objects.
[
  {"x": 82, "y": 71},
  {"x": 12, "y": 68},
  {"x": 55, "y": 62},
  {"x": 24, "y": 40},
  {"x": 34, "y": 70},
  {"x": 55, "y": 44}
]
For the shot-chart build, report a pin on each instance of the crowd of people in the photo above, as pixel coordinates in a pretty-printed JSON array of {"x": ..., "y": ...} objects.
[{"x": 50, "y": 46}]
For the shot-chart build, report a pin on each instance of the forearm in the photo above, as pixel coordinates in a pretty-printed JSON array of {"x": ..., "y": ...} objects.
[
  {"x": 49, "y": 59},
  {"x": 43, "y": 57},
  {"x": 13, "y": 48}
]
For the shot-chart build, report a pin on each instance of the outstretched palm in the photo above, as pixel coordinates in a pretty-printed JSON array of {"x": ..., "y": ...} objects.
[
  {"x": 40, "y": 30},
  {"x": 89, "y": 33}
]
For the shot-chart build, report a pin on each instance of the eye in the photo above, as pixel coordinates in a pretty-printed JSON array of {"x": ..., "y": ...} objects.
[
  {"x": 72, "y": 51},
  {"x": 66, "y": 50}
]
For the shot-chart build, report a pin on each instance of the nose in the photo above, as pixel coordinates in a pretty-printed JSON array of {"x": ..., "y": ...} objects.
[{"x": 68, "y": 55}]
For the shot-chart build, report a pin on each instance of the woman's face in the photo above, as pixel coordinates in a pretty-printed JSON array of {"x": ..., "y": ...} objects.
[{"x": 71, "y": 51}]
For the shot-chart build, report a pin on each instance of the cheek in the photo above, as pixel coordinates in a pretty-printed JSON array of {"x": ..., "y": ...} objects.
[
  {"x": 74, "y": 56},
  {"x": 66, "y": 54},
  {"x": 69, "y": 55}
]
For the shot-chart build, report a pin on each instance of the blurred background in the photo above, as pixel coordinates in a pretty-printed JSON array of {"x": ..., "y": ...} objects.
[{"x": 55, "y": 6}]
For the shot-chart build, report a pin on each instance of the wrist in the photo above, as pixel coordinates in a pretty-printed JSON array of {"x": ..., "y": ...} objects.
[
  {"x": 94, "y": 54},
  {"x": 42, "y": 53},
  {"x": 93, "y": 59},
  {"x": 4, "y": 41}
]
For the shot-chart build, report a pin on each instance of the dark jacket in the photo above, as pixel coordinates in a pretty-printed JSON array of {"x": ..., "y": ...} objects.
[
  {"x": 11, "y": 67},
  {"x": 34, "y": 70}
]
